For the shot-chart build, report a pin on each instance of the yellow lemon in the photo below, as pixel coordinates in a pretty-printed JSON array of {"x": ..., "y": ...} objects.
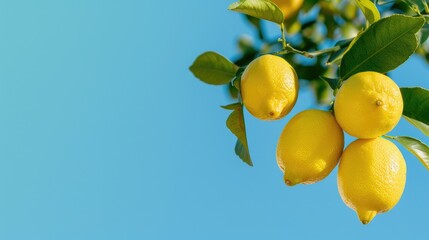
[
  {"x": 289, "y": 7},
  {"x": 371, "y": 177},
  {"x": 368, "y": 105},
  {"x": 309, "y": 147},
  {"x": 269, "y": 87}
]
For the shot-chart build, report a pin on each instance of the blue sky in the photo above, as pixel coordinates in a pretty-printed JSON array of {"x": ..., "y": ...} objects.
[{"x": 105, "y": 134}]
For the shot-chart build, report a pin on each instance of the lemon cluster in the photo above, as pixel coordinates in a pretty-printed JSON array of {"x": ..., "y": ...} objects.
[{"x": 372, "y": 170}]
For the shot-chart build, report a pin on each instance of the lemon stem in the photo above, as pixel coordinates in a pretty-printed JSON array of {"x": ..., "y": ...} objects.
[
  {"x": 426, "y": 7},
  {"x": 289, "y": 49},
  {"x": 413, "y": 6},
  {"x": 284, "y": 43},
  {"x": 379, "y": 103}
]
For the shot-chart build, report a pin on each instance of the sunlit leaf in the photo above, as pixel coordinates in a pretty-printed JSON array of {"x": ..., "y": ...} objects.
[
  {"x": 415, "y": 146},
  {"x": 262, "y": 9},
  {"x": 385, "y": 45},
  {"x": 236, "y": 125},
  {"x": 213, "y": 68},
  {"x": 369, "y": 10},
  {"x": 419, "y": 125}
]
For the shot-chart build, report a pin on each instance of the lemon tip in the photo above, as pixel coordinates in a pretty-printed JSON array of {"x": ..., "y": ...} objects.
[
  {"x": 366, "y": 216},
  {"x": 289, "y": 182}
]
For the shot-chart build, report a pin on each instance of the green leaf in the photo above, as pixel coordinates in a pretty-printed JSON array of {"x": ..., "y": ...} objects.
[
  {"x": 415, "y": 146},
  {"x": 336, "y": 56},
  {"x": 425, "y": 6},
  {"x": 334, "y": 83},
  {"x": 236, "y": 125},
  {"x": 369, "y": 10},
  {"x": 419, "y": 125},
  {"x": 424, "y": 33},
  {"x": 243, "y": 152},
  {"x": 231, "y": 106},
  {"x": 213, "y": 68},
  {"x": 416, "y": 103},
  {"x": 385, "y": 45},
  {"x": 236, "y": 82},
  {"x": 262, "y": 9},
  {"x": 232, "y": 91},
  {"x": 416, "y": 107},
  {"x": 418, "y": 5}
]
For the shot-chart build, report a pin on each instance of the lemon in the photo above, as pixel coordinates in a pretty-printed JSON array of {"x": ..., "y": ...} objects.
[
  {"x": 269, "y": 87},
  {"x": 309, "y": 147},
  {"x": 288, "y": 7},
  {"x": 368, "y": 105},
  {"x": 371, "y": 177}
]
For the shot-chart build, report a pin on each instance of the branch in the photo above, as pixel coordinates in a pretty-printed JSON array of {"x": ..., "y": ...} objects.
[{"x": 290, "y": 49}]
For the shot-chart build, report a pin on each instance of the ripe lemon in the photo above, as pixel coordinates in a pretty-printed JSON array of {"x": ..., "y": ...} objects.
[
  {"x": 288, "y": 7},
  {"x": 309, "y": 147},
  {"x": 368, "y": 105},
  {"x": 371, "y": 177},
  {"x": 269, "y": 87}
]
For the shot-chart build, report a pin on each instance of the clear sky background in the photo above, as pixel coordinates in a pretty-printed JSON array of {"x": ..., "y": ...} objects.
[{"x": 105, "y": 134}]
